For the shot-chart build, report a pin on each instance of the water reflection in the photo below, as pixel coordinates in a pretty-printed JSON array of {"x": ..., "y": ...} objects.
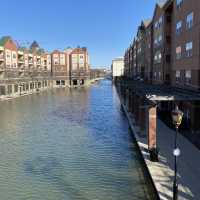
[{"x": 68, "y": 144}]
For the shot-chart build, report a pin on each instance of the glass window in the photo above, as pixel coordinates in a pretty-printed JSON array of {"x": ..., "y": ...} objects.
[
  {"x": 9, "y": 89},
  {"x": 156, "y": 25},
  {"x": 16, "y": 88},
  {"x": 188, "y": 48},
  {"x": 189, "y": 20},
  {"x": 56, "y": 61},
  {"x": 188, "y": 76},
  {"x": 179, "y": 3},
  {"x": 178, "y": 52},
  {"x": 178, "y": 75},
  {"x": 188, "y": 73},
  {"x": 155, "y": 57},
  {"x": 158, "y": 57},
  {"x": 62, "y": 59},
  {"x": 155, "y": 75},
  {"x": 160, "y": 20},
  {"x": 2, "y": 90},
  {"x": 178, "y": 27},
  {"x": 160, "y": 38},
  {"x": 159, "y": 75}
]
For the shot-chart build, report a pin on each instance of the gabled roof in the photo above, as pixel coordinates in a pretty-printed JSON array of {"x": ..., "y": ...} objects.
[
  {"x": 147, "y": 22},
  {"x": 157, "y": 6},
  {"x": 161, "y": 3},
  {"x": 34, "y": 45},
  {"x": 4, "y": 39}
]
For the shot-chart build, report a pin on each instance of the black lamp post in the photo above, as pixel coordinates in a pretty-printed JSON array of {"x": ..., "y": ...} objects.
[{"x": 177, "y": 116}]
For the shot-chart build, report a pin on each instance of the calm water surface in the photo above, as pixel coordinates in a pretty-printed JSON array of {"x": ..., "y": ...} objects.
[{"x": 68, "y": 144}]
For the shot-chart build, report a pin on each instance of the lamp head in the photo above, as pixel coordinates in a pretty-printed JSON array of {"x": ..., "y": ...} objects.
[{"x": 177, "y": 116}]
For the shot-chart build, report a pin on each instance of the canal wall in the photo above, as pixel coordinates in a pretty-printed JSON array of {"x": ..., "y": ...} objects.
[
  {"x": 87, "y": 82},
  {"x": 142, "y": 149}
]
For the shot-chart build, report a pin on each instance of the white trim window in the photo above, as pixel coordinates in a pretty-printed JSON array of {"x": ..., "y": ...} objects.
[
  {"x": 189, "y": 20},
  {"x": 188, "y": 48},
  {"x": 178, "y": 27}
]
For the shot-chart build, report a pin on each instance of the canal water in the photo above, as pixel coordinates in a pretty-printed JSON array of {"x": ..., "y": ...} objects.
[{"x": 68, "y": 145}]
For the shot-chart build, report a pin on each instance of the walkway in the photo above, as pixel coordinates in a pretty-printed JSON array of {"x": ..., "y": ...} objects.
[{"x": 162, "y": 172}]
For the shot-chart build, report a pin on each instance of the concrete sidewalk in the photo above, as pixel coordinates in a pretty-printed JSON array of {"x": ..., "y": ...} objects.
[{"x": 162, "y": 172}]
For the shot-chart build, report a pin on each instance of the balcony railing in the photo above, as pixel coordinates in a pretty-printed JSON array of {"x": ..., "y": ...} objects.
[
  {"x": 22, "y": 68},
  {"x": 20, "y": 60},
  {"x": 2, "y": 68},
  {"x": 1, "y": 57}
]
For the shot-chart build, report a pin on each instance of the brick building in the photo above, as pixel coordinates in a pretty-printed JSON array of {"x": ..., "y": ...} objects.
[
  {"x": 21, "y": 69},
  {"x": 25, "y": 70},
  {"x": 60, "y": 68},
  {"x": 186, "y": 44},
  {"x": 117, "y": 68},
  {"x": 79, "y": 66},
  {"x": 166, "y": 51}
]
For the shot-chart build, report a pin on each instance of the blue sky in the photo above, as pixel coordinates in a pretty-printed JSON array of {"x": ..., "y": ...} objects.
[{"x": 106, "y": 27}]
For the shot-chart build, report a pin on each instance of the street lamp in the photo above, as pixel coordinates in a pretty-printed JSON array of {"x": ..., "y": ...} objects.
[{"x": 177, "y": 116}]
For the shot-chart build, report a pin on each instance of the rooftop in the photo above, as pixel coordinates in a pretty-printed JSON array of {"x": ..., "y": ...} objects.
[
  {"x": 161, "y": 3},
  {"x": 4, "y": 39}
]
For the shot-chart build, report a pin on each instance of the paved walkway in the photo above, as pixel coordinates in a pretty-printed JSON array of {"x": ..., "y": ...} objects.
[{"x": 162, "y": 172}]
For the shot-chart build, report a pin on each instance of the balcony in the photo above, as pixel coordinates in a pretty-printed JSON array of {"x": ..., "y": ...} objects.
[
  {"x": 1, "y": 57},
  {"x": 83, "y": 74},
  {"x": 20, "y": 60},
  {"x": 74, "y": 73},
  {"x": 20, "y": 53},
  {"x": 2, "y": 68},
  {"x": 22, "y": 68},
  {"x": 30, "y": 61}
]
